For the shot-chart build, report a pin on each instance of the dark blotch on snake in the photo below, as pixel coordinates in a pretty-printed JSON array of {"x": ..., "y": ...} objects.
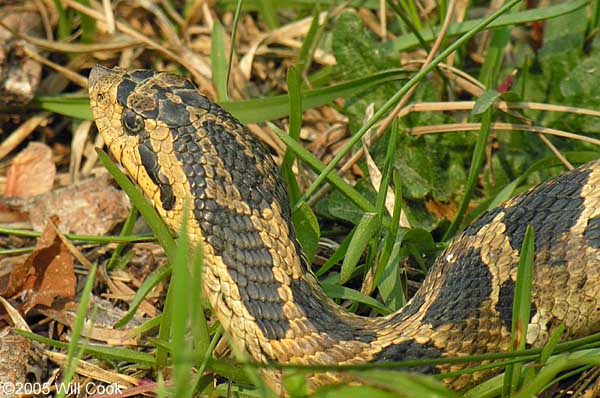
[
  {"x": 504, "y": 306},
  {"x": 152, "y": 167},
  {"x": 409, "y": 350},
  {"x": 592, "y": 232},
  {"x": 467, "y": 284}
]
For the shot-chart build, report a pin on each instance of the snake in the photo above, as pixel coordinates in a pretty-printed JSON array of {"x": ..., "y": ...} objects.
[{"x": 179, "y": 147}]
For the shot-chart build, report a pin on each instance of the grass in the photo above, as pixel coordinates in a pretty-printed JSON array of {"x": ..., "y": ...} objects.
[{"x": 459, "y": 177}]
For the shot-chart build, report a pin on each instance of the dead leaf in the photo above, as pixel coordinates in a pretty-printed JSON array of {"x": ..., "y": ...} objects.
[
  {"x": 441, "y": 210},
  {"x": 31, "y": 172},
  {"x": 46, "y": 274},
  {"x": 90, "y": 207}
]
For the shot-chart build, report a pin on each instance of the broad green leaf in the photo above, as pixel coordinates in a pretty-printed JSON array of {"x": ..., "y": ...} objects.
[
  {"x": 345, "y": 293},
  {"x": 485, "y": 102},
  {"x": 365, "y": 231}
]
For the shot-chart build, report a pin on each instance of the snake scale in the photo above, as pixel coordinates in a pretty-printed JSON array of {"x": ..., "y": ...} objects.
[{"x": 179, "y": 146}]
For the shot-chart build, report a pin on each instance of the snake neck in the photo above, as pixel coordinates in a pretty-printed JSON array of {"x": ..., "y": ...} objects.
[{"x": 274, "y": 308}]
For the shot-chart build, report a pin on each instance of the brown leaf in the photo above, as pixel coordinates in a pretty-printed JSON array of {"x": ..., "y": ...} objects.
[
  {"x": 31, "y": 173},
  {"x": 46, "y": 274},
  {"x": 90, "y": 207}
]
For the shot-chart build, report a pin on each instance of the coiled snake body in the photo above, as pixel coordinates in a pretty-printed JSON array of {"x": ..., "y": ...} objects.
[{"x": 178, "y": 146}]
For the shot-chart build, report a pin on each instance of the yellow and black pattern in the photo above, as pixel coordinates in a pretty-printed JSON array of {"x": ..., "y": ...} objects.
[{"x": 178, "y": 146}]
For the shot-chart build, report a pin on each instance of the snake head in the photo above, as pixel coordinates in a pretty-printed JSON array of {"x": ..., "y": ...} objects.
[
  {"x": 132, "y": 106},
  {"x": 141, "y": 114}
]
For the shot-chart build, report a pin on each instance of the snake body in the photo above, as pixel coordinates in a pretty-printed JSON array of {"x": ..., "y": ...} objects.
[{"x": 179, "y": 146}]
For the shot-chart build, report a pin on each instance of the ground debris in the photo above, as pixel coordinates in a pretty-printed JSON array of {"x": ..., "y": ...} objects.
[
  {"x": 46, "y": 274},
  {"x": 90, "y": 207}
]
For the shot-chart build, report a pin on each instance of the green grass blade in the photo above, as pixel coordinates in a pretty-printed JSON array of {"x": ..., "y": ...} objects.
[
  {"x": 163, "y": 342},
  {"x": 125, "y": 231},
  {"x": 208, "y": 352},
  {"x": 72, "y": 105},
  {"x": 550, "y": 346},
  {"x": 484, "y": 103},
  {"x": 337, "y": 256},
  {"x": 595, "y": 19},
  {"x": 156, "y": 224},
  {"x": 179, "y": 287},
  {"x": 75, "y": 349},
  {"x": 472, "y": 179},
  {"x": 388, "y": 279},
  {"x": 295, "y": 384},
  {"x": 84, "y": 238},
  {"x": 406, "y": 384},
  {"x": 268, "y": 13},
  {"x": 558, "y": 364},
  {"x": 149, "y": 283},
  {"x": 218, "y": 61},
  {"x": 88, "y": 25},
  {"x": 295, "y": 99},
  {"x": 277, "y": 106},
  {"x": 404, "y": 18},
  {"x": 65, "y": 21},
  {"x": 521, "y": 309},
  {"x": 200, "y": 328},
  {"x": 236, "y": 18},
  {"x": 99, "y": 351},
  {"x": 161, "y": 231},
  {"x": 387, "y": 169},
  {"x": 309, "y": 43}
]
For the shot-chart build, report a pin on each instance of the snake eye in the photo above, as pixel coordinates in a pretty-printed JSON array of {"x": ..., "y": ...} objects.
[{"x": 132, "y": 122}]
